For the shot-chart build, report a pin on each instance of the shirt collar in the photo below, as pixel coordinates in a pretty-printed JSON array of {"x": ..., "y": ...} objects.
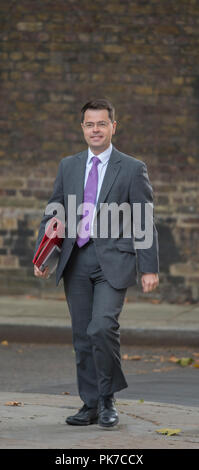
[{"x": 104, "y": 156}]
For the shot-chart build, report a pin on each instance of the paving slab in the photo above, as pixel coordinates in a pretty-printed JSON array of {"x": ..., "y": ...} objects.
[{"x": 39, "y": 423}]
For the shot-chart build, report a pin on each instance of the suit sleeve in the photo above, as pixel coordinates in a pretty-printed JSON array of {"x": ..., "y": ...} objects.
[
  {"x": 141, "y": 192},
  {"x": 56, "y": 197}
]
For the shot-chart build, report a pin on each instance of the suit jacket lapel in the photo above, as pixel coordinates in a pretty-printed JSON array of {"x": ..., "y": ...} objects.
[
  {"x": 111, "y": 173},
  {"x": 79, "y": 178}
]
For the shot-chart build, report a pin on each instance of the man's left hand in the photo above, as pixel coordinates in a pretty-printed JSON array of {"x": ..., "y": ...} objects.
[{"x": 149, "y": 281}]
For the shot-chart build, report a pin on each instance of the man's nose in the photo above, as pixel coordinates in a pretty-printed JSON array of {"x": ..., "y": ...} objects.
[{"x": 95, "y": 127}]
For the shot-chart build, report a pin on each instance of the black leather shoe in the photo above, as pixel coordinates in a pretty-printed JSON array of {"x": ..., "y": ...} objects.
[
  {"x": 108, "y": 415},
  {"x": 84, "y": 417}
]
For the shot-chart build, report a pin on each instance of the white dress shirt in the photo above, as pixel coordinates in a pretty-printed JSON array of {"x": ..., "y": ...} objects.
[{"x": 104, "y": 158}]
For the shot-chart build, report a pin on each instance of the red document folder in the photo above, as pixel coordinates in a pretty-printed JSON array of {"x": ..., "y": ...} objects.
[{"x": 50, "y": 247}]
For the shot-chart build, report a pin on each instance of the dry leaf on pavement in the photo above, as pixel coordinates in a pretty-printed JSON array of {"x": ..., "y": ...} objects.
[
  {"x": 168, "y": 431},
  {"x": 131, "y": 358},
  {"x": 14, "y": 403},
  {"x": 174, "y": 359},
  {"x": 183, "y": 361}
]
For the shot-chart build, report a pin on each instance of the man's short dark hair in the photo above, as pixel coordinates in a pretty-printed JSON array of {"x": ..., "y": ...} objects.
[{"x": 99, "y": 103}]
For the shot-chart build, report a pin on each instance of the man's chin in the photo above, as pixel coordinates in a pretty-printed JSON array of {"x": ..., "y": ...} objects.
[{"x": 98, "y": 144}]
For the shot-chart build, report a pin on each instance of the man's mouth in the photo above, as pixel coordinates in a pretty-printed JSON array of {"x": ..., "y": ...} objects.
[{"x": 96, "y": 137}]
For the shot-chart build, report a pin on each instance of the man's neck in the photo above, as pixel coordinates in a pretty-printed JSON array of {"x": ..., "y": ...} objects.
[{"x": 99, "y": 150}]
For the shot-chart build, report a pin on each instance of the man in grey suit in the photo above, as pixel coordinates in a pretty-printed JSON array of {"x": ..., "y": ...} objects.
[{"x": 97, "y": 269}]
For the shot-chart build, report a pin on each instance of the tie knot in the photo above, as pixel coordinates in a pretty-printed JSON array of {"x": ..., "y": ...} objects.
[{"x": 96, "y": 160}]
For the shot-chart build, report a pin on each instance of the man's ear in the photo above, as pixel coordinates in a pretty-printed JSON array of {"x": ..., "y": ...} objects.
[{"x": 114, "y": 126}]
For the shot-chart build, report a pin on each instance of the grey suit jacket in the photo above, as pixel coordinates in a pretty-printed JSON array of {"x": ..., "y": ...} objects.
[{"x": 126, "y": 180}]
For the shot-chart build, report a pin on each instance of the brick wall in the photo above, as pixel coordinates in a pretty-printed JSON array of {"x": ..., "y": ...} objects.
[{"x": 142, "y": 55}]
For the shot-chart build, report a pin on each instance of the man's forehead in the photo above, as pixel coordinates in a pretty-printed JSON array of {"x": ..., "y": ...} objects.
[{"x": 99, "y": 114}]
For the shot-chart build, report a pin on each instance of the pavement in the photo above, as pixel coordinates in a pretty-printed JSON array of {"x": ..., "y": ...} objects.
[
  {"x": 37, "y": 421},
  {"x": 31, "y": 319}
]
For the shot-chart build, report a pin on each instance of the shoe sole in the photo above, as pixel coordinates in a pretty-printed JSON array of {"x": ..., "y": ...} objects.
[
  {"x": 93, "y": 421},
  {"x": 111, "y": 425}
]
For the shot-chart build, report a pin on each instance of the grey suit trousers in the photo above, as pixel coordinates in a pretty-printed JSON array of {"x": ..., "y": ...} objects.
[{"x": 94, "y": 307}]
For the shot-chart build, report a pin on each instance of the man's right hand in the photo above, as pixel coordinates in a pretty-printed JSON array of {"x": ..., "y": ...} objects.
[{"x": 42, "y": 274}]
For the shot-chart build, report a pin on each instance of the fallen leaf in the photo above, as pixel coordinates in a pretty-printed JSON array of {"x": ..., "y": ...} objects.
[
  {"x": 174, "y": 359},
  {"x": 4, "y": 343},
  {"x": 185, "y": 361},
  {"x": 141, "y": 400},
  {"x": 125, "y": 356},
  {"x": 131, "y": 358},
  {"x": 168, "y": 431},
  {"x": 65, "y": 393},
  {"x": 14, "y": 403}
]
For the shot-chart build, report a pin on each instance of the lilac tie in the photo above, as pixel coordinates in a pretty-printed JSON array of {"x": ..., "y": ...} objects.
[{"x": 90, "y": 194}]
